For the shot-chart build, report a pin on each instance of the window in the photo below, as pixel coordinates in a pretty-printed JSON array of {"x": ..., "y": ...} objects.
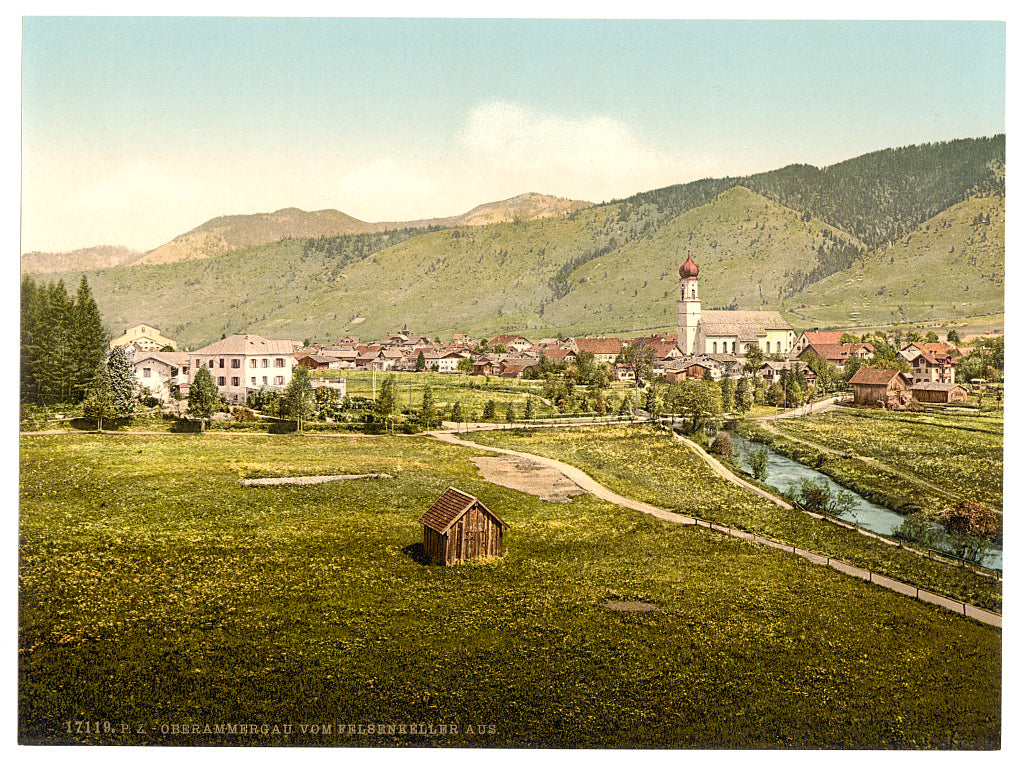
[
  {"x": 264, "y": 380},
  {"x": 714, "y": 347},
  {"x": 778, "y": 347},
  {"x": 220, "y": 362},
  {"x": 235, "y": 363},
  {"x": 220, "y": 381},
  {"x": 253, "y": 364},
  {"x": 145, "y": 372},
  {"x": 279, "y": 363},
  {"x": 279, "y": 380},
  {"x": 211, "y": 363},
  {"x": 264, "y": 363},
  {"x": 198, "y": 363},
  {"x": 234, "y": 382},
  {"x": 253, "y": 380}
]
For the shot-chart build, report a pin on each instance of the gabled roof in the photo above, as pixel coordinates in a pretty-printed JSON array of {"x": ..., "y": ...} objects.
[
  {"x": 866, "y": 376},
  {"x": 246, "y": 345},
  {"x": 176, "y": 358},
  {"x": 599, "y": 346},
  {"x": 742, "y": 324},
  {"x": 449, "y": 508},
  {"x": 824, "y": 338}
]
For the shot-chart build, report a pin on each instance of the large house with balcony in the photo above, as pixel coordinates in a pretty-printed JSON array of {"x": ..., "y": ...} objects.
[{"x": 243, "y": 363}]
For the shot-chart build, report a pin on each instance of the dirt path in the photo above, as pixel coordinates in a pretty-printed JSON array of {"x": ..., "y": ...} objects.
[{"x": 588, "y": 484}]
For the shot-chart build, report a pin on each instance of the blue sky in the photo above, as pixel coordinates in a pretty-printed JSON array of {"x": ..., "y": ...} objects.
[{"x": 136, "y": 130}]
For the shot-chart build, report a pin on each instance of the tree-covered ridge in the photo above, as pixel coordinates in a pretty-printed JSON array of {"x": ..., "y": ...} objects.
[
  {"x": 338, "y": 251},
  {"x": 883, "y": 195}
]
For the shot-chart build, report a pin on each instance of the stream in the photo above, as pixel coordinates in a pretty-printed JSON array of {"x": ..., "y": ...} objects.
[{"x": 782, "y": 471}]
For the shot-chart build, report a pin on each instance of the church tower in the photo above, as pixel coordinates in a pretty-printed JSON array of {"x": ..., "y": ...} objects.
[{"x": 688, "y": 307}]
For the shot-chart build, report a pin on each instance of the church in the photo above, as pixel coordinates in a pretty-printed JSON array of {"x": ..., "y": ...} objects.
[{"x": 732, "y": 332}]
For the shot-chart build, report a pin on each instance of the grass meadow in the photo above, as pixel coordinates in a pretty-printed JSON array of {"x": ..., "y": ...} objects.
[
  {"x": 156, "y": 591},
  {"x": 960, "y": 454}
]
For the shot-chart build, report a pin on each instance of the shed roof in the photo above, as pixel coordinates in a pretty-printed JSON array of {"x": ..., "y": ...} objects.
[
  {"x": 449, "y": 508},
  {"x": 938, "y": 386}
]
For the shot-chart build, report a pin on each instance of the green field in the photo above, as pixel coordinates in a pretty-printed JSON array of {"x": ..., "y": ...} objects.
[
  {"x": 960, "y": 454},
  {"x": 634, "y": 462},
  {"x": 155, "y": 590}
]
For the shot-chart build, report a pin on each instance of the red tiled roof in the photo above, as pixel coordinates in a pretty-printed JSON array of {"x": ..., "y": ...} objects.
[
  {"x": 824, "y": 338},
  {"x": 599, "y": 345}
]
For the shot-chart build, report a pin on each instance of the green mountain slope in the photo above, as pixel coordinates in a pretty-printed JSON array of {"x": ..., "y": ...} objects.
[
  {"x": 746, "y": 247},
  {"x": 952, "y": 266}
]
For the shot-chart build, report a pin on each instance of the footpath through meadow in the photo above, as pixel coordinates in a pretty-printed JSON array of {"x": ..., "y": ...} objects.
[{"x": 588, "y": 484}]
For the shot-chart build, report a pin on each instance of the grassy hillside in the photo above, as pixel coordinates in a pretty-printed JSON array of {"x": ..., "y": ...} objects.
[
  {"x": 93, "y": 258},
  {"x": 950, "y": 267},
  {"x": 746, "y": 247}
]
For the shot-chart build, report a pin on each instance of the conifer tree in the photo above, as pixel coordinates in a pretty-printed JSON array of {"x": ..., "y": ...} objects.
[
  {"x": 427, "y": 412},
  {"x": 88, "y": 339},
  {"x": 122, "y": 382}
]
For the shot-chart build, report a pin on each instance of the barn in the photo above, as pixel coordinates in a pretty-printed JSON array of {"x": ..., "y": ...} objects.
[
  {"x": 458, "y": 527},
  {"x": 887, "y": 388},
  {"x": 939, "y": 392}
]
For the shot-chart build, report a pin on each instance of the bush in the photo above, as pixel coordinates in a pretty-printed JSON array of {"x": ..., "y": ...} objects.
[
  {"x": 819, "y": 498},
  {"x": 242, "y": 414},
  {"x": 971, "y": 518},
  {"x": 722, "y": 445},
  {"x": 759, "y": 463}
]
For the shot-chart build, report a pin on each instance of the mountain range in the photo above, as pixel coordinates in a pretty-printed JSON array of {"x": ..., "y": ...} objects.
[{"x": 910, "y": 235}]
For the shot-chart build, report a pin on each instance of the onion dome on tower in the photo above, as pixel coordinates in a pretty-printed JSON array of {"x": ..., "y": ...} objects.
[{"x": 688, "y": 269}]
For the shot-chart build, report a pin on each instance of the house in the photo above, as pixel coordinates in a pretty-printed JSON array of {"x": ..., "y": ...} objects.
[
  {"x": 511, "y": 342},
  {"x": 243, "y": 363},
  {"x": 815, "y": 337},
  {"x": 142, "y": 337},
  {"x": 339, "y": 386},
  {"x": 887, "y": 388},
  {"x": 604, "y": 349},
  {"x": 316, "y": 361},
  {"x": 927, "y": 366},
  {"x": 938, "y": 392},
  {"x": 458, "y": 527},
  {"x": 838, "y": 353},
  {"x": 771, "y": 371},
  {"x": 162, "y": 372}
]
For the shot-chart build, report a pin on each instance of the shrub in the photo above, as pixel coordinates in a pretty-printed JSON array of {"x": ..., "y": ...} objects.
[
  {"x": 969, "y": 517},
  {"x": 722, "y": 445},
  {"x": 759, "y": 463}
]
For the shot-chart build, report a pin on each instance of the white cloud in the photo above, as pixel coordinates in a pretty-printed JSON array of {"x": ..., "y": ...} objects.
[{"x": 594, "y": 157}]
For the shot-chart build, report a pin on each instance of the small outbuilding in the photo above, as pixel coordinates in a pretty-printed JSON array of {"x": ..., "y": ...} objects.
[
  {"x": 939, "y": 392},
  {"x": 885, "y": 388},
  {"x": 458, "y": 527}
]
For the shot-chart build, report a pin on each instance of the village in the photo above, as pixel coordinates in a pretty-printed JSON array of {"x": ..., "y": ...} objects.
[{"x": 713, "y": 344}]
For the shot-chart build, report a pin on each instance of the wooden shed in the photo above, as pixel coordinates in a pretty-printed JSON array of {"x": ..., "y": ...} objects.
[
  {"x": 939, "y": 392},
  {"x": 458, "y": 527},
  {"x": 885, "y": 388}
]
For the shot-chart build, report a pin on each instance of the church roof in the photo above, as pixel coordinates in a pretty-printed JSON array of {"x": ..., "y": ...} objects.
[
  {"x": 742, "y": 324},
  {"x": 688, "y": 269}
]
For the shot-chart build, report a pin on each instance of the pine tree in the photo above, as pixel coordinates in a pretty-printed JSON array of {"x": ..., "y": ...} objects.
[
  {"x": 122, "y": 382},
  {"x": 490, "y": 410},
  {"x": 427, "y": 416},
  {"x": 510, "y": 413},
  {"x": 203, "y": 397},
  {"x": 457, "y": 412},
  {"x": 52, "y": 356},
  {"x": 421, "y": 362},
  {"x": 743, "y": 397},
  {"x": 528, "y": 413},
  {"x": 31, "y": 304},
  {"x": 727, "y": 392},
  {"x": 88, "y": 339}
]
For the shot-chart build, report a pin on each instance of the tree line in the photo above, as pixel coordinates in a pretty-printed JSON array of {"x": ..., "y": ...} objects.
[{"x": 62, "y": 342}]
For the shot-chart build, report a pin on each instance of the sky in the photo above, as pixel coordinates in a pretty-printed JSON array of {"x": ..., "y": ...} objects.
[{"x": 135, "y": 130}]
